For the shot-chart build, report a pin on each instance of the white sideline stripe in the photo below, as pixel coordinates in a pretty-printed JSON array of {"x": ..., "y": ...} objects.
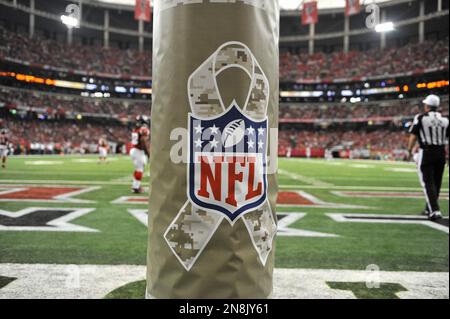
[
  {"x": 346, "y": 161},
  {"x": 400, "y": 170},
  {"x": 51, "y": 182},
  {"x": 283, "y": 228},
  {"x": 359, "y": 188},
  {"x": 44, "y": 163},
  {"x": 392, "y": 195},
  {"x": 305, "y": 179},
  {"x": 52, "y": 281},
  {"x": 382, "y": 219},
  {"x": 283, "y": 186}
]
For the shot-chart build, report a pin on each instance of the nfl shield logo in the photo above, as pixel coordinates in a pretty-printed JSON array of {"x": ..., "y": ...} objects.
[{"x": 227, "y": 168}]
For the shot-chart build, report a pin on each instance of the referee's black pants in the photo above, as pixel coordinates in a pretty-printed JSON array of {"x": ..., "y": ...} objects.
[{"x": 431, "y": 166}]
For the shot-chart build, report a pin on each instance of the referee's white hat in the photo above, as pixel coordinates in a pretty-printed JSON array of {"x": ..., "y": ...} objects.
[{"x": 432, "y": 100}]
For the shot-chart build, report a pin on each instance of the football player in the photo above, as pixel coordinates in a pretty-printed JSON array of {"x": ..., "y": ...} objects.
[
  {"x": 4, "y": 144},
  {"x": 140, "y": 151},
  {"x": 103, "y": 148}
]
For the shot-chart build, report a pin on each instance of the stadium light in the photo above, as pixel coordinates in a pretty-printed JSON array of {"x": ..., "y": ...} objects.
[
  {"x": 384, "y": 27},
  {"x": 70, "y": 22}
]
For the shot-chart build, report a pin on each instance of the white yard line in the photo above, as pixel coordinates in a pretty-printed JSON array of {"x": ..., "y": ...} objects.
[
  {"x": 282, "y": 186},
  {"x": 44, "y": 281},
  {"x": 359, "y": 188},
  {"x": 62, "y": 182},
  {"x": 304, "y": 179},
  {"x": 386, "y": 219}
]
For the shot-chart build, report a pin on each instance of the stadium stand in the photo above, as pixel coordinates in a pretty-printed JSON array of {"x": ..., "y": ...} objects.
[
  {"x": 40, "y": 51},
  {"x": 47, "y": 118},
  {"x": 433, "y": 55},
  {"x": 361, "y": 64}
]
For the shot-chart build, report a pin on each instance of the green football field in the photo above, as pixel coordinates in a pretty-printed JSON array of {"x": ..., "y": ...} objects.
[{"x": 339, "y": 214}]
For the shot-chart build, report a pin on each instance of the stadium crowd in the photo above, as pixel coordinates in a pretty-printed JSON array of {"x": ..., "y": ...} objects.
[
  {"x": 380, "y": 139},
  {"x": 59, "y": 106},
  {"x": 348, "y": 111},
  {"x": 358, "y": 64},
  {"x": 51, "y": 137},
  {"x": 56, "y": 132},
  {"x": 293, "y": 66},
  {"x": 74, "y": 57}
]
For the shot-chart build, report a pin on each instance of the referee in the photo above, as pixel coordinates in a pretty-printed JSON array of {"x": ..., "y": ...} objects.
[{"x": 431, "y": 130}]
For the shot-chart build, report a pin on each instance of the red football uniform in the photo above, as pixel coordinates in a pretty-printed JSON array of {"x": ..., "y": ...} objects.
[
  {"x": 4, "y": 139},
  {"x": 102, "y": 143},
  {"x": 137, "y": 135}
]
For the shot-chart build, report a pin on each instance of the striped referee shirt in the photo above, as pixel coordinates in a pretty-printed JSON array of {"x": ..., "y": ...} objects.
[{"x": 431, "y": 129}]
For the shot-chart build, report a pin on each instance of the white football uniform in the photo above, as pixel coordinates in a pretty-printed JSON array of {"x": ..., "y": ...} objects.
[
  {"x": 3, "y": 146},
  {"x": 3, "y": 151},
  {"x": 138, "y": 155},
  {"x": 139, "y": 159}
]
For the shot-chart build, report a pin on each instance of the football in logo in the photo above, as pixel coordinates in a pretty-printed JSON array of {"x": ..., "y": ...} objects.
[{"x": 233, "y": 133}]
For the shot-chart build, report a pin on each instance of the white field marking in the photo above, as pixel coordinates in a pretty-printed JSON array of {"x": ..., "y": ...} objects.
[
  {"x": 283, "y": 227},
  {"x": 131, "y": 200},
  {"x": 126, "y": 178},
  {"x": 361, "y": 166},
  {"x": 305, "y": 179},
  {"x": 333, "y": 163},
  {"x": 312, "y": 283},
  {"x": 61, "y": 224},
  {"x": 401, "y": 170},
  {"x": 283, "y": 186},
  {"x": 384, "y": 219},
  {"x": 65, "y": 173},
  {"x": 385, "y": 194},
  {"x": 317, "y": 203},
  {"x": 347, "y": 161},
  {"x": 92, "y": 160},
  {"x": 65, "y": 182},
  {"x": 358, "y": 188},
  {"x": 371, "y": 178},
  {"x": 43, "y": 162},
  {"x": 63, "y": 198},
  {"x": 53, "y": 281}
]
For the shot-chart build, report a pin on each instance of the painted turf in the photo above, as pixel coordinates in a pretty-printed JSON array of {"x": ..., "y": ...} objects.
[
  {"x": 41, "y": 281},
  {"x": 95, "y": 281}
]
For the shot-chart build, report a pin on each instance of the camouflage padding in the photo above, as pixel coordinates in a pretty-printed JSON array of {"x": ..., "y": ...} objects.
[
  {"x": 202, "y": 83},
  {"x": 190, "y": 232},
  {"x": 262, "y": 228},
  {"x": 202, "y": 87},
  {"x": 259, "y": 96},
  {"x": 167, "y": 4},
  {"x": 199, "y": 45}
]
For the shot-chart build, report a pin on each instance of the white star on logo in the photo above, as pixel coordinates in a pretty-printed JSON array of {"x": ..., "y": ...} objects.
[
  {"x": 250, "y": 144},
  {"x": 198, "y": 143},
  {"x": 198, "y": 129},
  {"x": 251, "y": 130},
  {"x": 213, "y": 143},
  {"x": 260, "y": 144},
  {"x": 260, "y": 131},
  {"x": 214, "y": 129}
]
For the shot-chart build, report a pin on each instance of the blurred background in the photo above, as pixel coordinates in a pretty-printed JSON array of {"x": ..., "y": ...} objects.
[{"x": 348, "y": 87}]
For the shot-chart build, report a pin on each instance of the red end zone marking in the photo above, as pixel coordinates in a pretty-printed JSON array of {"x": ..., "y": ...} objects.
[
  {"x": 293, "y": 198},
  {"x": 284, "y": 198},
  {"x": 41, "y": 193}
]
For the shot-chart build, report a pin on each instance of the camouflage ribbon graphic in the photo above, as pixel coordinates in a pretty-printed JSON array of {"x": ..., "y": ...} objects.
[{"x": 193, "y": 227}]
